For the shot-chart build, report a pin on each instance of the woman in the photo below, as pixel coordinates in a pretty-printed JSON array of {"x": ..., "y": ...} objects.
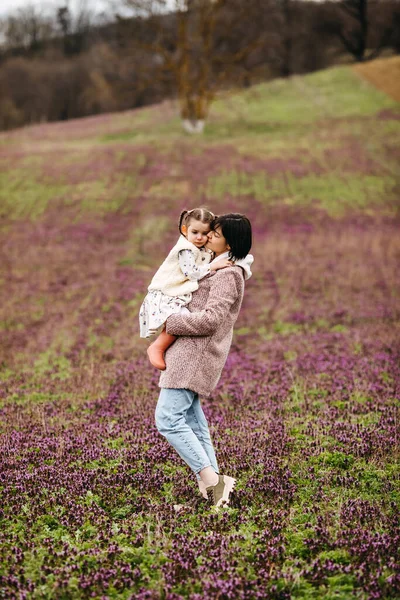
[{"x": 195, "y": 361}]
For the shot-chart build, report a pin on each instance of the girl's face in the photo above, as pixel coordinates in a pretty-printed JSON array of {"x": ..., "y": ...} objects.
[
  {"x": 216, "y": 242},
  {"x": 196, "y": 232}
]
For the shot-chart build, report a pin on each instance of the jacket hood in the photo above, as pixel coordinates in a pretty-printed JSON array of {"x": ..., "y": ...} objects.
[{"x": 245, "y": 263}]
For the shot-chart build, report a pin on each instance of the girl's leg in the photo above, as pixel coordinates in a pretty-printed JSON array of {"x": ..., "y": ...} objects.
[
  {"x": 156, "y": 350},
  {"x": 171, "y": 414}
]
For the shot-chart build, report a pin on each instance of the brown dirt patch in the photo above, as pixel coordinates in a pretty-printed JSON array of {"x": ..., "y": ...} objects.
[{"x": 384, "y": 73}]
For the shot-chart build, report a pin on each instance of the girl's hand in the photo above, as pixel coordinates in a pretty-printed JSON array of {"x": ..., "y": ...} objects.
[{"x": 221, "y": 264}]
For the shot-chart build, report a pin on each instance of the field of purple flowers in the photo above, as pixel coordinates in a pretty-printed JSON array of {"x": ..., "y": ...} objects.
[{"x": 306, "y": 415}]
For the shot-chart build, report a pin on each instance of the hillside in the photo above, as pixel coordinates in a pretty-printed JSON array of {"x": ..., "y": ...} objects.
[
  {"x": 305, "y": 413},
  {"x": 327, "y": 138}
]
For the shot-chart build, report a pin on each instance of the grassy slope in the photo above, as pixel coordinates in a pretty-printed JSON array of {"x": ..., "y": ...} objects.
[
  {"x": 305, "y": 414},
  {"x": 324, "y": 123}
]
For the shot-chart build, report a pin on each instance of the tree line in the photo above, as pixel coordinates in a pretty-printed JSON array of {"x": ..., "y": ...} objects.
[{"x": 61, "y": 66}]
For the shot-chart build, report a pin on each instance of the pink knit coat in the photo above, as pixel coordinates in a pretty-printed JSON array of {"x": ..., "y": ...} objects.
[{"x": 195, "y": 360}]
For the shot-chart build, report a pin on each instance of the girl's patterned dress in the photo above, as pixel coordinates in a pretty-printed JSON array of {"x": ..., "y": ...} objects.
[{"x": 157, "y": 306}]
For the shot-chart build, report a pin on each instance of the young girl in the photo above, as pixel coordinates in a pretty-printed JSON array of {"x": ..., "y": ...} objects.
[{"x": 171, "y": 287}]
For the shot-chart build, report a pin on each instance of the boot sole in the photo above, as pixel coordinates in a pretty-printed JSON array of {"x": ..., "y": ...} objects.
[{"x": 229, "y": 485}]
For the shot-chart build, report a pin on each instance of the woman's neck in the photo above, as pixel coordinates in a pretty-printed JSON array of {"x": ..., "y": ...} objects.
[{"x": 220, "y": 253}]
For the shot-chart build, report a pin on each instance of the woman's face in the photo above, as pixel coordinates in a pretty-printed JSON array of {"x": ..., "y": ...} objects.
[{"x": 216, "y": 242}]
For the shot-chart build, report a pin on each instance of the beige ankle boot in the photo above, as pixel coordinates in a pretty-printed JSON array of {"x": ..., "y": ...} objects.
[{"x": 202, "y": 488}]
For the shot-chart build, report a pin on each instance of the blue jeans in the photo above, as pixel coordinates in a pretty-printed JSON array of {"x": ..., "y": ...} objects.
[{"x": 180, "y": 418}]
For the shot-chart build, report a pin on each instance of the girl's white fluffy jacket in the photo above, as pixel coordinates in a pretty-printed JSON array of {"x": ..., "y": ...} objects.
[{"x": 169, "y": 278}]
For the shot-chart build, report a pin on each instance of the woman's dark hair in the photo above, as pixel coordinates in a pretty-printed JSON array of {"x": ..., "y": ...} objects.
[
  {"x": 236, "y": 229},
  {"x": 199, "y": 214}
]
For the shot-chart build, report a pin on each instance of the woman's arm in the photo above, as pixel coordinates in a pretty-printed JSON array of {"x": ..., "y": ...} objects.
[{"x": 223, "y": 293}]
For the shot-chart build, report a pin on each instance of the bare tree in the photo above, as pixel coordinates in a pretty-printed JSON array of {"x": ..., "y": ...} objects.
[
  {"x": 26, "y": 29},
  {"x": 74, "y": 28},
  {"x": 195, "y": 48},
  {"x": 354, "y": 31},
  {"x": 287, "y": 36}
]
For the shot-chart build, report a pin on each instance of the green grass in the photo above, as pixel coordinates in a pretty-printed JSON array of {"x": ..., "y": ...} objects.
[
  {"x": 23, "y": 197},
  {"x": 332, "y": 93},
  {"x": 334, "y": 192}
]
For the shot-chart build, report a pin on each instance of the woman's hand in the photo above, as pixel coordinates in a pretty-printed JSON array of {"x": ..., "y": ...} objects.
[{"x": 221, "y": 264}]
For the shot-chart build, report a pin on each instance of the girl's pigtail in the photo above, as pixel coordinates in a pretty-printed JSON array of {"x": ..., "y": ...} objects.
[{"x": 184, "y": 213}]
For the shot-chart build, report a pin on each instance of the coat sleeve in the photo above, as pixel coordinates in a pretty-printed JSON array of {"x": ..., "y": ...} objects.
[
  {"x": 187, "y": 265},
  {"x": 223, "y": 293}
]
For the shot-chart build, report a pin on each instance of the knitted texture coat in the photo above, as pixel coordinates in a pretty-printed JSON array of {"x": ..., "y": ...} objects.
[
  {"x": 195, "y": 361},
  {"x": 169, "y": 278}
]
